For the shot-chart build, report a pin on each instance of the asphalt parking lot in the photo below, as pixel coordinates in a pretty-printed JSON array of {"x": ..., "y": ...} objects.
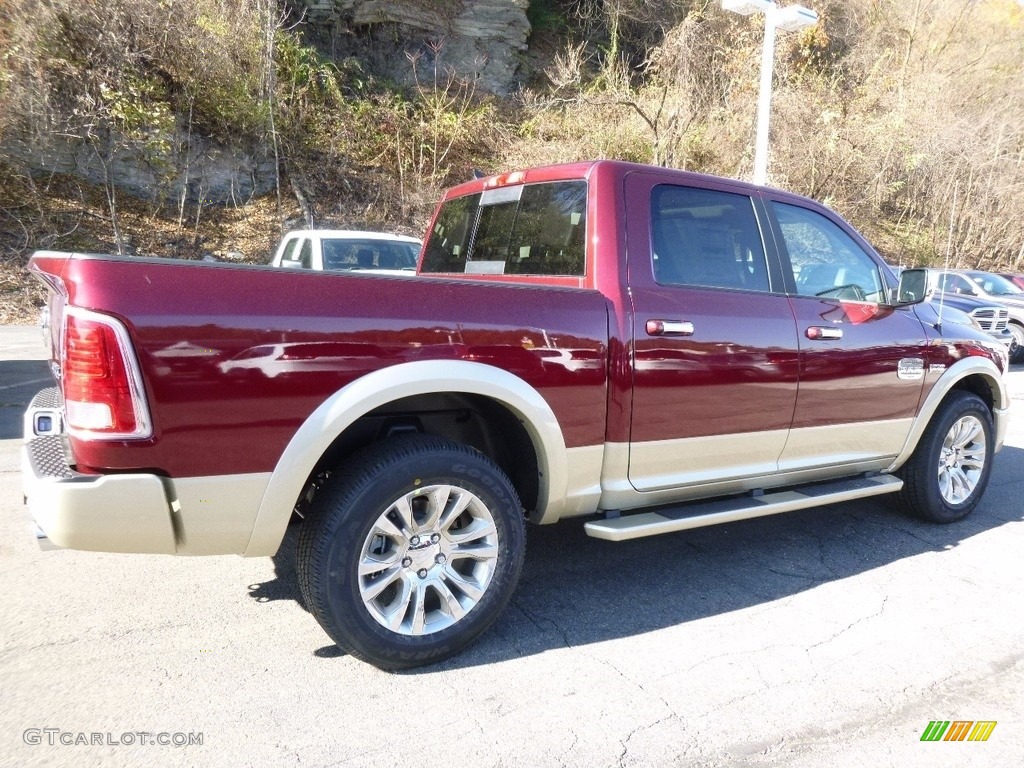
[{"x": 829, "y": 637}]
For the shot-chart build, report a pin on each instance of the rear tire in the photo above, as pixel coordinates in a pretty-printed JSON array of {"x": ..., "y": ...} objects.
[
  {"x": 411, "y": 551},
  {"x": 946, "y": 476}
]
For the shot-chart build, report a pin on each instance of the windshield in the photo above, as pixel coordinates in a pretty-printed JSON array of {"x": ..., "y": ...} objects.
[
  {"x": 994, "y": 284},
  {"x": 351, "y": 254}
]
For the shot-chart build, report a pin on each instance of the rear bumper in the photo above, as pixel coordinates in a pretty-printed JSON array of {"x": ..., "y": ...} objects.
[
  {"x": 102, "y": 513},
  {"x": 130, "y": 512}
]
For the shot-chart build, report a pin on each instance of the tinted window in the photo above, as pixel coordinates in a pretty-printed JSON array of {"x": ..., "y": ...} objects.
[
  {"x": 448, "y": 242},
  {"x": 342, "y": 254},
  {"x": 950, "y": 283},
  {"x": 306, "y": 254},
  {"x": 706, "y": 238},
  {"x": 826, "y": 261},
  {"x": 288, "y": 254},
  {"x": 994, "y": 284},
  {"x": 533, "y": 229}
]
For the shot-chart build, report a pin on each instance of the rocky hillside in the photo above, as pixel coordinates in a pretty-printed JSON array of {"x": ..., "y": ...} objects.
[
  {"x": 483, "y": 39},
  {"x": 192, "y": 127}
]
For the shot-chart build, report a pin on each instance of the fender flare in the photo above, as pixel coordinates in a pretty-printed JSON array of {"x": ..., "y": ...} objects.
[
  {"x": 960, "y": 370},
  {"x": 356, "y": 399}
]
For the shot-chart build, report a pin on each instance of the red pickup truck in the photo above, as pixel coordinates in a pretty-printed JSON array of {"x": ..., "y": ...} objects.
[{"x": 647, "y": 349}]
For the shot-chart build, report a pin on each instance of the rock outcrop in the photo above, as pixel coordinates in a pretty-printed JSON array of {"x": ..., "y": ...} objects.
[
  {"x": 478, "y": 40},
  {"x": 205, "y": 171}
]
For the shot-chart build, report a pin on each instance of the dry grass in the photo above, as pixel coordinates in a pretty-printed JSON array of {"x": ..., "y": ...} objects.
[{"x": 61, "y": 213}]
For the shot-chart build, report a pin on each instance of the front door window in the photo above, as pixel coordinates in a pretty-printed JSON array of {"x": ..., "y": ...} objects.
[{"x": 826, "y": 261}]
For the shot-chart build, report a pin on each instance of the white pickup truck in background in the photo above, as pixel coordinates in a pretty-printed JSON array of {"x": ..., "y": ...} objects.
[{"x": 347, "y": 250}]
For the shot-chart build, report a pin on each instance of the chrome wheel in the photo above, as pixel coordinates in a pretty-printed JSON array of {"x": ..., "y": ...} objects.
[
  {"x": 962, "y": 459},
  {"x": 411, "y": 550},
  {"x": 946, "y": 476},
  {"x": 428, "y": 560}
]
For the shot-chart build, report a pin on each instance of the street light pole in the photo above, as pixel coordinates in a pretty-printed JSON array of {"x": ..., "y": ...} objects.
[
  {"x": 790, "y": 19},
  {"x": 764, "y": 101}
]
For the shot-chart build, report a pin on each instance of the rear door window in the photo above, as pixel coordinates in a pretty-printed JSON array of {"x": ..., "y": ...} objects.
[
  {"x": 950, "y": 283},
  {"x": 703, "y": 237}
]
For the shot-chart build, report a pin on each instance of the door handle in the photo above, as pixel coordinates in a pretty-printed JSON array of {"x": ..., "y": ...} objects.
[
  {"x": 816, "y": 332},
  {"x": 669, "y": 328}
]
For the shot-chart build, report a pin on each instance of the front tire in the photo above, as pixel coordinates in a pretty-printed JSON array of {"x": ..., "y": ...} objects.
[
  {"x": 946, "y": 476},
  {"x": 411, "y": 551},
  {"x": 1017, "y": 344}
]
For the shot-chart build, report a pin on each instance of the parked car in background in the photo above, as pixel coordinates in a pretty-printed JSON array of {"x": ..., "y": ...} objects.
[
  {"x": 347, "y": 251},
  {"x": 989, "y": 316},
  {"x": 992, "y": 318},
  {"x": 1017, "y": 280},
  {"x": 991, "y": 287}
]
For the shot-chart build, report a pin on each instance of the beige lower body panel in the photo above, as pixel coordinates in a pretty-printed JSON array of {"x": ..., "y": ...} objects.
[
  {"x": 666, "y": 464},
  {"x": 144, "y": 513},
  {"x": 841, "y": 444},
  {"x": 215, "y": 515},
  {"x": 669, "y": 471},
  {"x": 583, "y": 485}
]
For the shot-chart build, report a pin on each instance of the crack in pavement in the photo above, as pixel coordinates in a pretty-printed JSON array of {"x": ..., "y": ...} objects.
[
  {"x": 538, "y": 618},
  {"x": 791, "y": 575},
  {"x": 672, "y": 714},
  {"x": 625, "y": 742},
  {"x": 638, "y": 684},
  {"x": 848, "y": 627},
  {"x": 914, "y": 699},
  {"x": 565, "y": 752}
]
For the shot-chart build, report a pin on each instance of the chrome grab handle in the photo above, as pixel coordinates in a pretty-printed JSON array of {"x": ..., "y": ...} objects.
[
  {"x": 816, "y": 332},
  {"x": 669, "y": 328}
]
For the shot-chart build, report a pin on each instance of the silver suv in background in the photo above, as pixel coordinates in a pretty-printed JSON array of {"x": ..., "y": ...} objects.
[
  {"x": 987, "y": 287},
  {"x": 988, "y": 316}
]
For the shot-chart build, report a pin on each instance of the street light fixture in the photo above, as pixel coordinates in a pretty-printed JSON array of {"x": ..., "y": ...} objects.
[{"x": 792, "y": 18}]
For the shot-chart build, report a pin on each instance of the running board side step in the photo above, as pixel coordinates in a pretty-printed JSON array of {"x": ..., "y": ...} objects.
[{"x": 716, "y": 511}]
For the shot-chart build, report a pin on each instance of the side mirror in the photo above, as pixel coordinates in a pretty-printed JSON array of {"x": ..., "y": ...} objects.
[{"x": 913, "y": 287}]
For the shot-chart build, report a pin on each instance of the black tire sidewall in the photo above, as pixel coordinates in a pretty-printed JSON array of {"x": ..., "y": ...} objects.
[
  {"x": 1017, "y": 348},
  {"x": 938, "y": 509},
  {"x": 367, "y": 497}
]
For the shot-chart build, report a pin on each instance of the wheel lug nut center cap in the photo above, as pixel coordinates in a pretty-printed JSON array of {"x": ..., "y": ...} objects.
[{"x": 423, "y": 554}]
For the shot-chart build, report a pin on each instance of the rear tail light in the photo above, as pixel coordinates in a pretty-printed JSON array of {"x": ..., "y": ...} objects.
[{"x": 103, "y": 394}]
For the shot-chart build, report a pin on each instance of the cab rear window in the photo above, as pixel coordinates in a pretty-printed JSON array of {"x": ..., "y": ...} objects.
[{"x": 527, "y": 229}]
